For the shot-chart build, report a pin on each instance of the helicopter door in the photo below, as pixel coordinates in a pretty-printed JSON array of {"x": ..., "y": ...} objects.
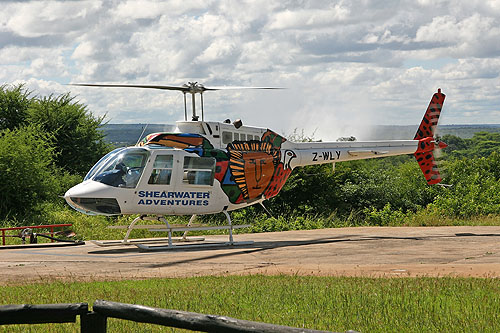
[
  {"x": 157, "y": 186},
  {"x": 161, "y": 174}
]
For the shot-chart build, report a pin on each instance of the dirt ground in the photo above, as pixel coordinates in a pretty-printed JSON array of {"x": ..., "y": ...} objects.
[{"x": 367, "y": 251}]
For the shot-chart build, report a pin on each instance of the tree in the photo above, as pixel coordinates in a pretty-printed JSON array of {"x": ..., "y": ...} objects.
[
  {"x": 347, "y": 138},
  {"x": 14, "y": 104},
  {"x": 77, "y": 137},
  {"x": 76, "y": 134}
]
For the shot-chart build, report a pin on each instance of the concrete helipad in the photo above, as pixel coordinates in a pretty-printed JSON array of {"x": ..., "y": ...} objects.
[{"x": 368, "y": 251}]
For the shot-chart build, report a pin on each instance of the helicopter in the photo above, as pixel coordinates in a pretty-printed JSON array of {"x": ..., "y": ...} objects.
[{"x": 208, "y": 167}]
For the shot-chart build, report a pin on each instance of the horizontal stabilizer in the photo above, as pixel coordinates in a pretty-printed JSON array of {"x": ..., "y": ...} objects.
[{"x": 429, "y": 167}]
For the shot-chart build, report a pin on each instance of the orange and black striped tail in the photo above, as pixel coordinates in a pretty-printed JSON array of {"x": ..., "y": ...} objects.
[
  {"x": 426, "y": 160},
  {"x": 427, "y": 144},
  {"x": 431, "y": 117}
]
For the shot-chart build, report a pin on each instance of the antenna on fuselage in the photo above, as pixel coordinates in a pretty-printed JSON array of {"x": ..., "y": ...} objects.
[{"x": 140, "y": 136}]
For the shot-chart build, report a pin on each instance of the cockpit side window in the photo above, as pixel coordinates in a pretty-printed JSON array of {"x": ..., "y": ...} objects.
[
  {"x": 162, "y": 170},
  {"x": 199, "y": 170},
  {"x": 123, "y": 169}
]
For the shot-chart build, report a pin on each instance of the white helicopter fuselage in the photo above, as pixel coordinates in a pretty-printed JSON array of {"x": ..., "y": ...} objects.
[{"x": 206, "y": 168}]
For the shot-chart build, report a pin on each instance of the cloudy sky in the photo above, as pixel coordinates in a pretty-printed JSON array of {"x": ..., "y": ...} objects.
[{"x": 347, "y": 65}]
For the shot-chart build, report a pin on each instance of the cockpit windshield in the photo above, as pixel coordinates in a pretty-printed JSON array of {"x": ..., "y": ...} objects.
[
  {"x": 101, "y": 162},
  {"x": 120, "y": 168}
]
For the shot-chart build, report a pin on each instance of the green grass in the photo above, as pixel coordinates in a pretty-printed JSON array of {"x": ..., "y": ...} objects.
[{"x": 326, "y": 303}]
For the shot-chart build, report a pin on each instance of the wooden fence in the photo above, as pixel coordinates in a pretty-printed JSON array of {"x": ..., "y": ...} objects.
[{"x": 96, "y": 321}]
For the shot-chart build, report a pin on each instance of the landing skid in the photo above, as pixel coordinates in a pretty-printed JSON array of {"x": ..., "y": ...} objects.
[
  {"x": 145, "y": 241},
  {"x": 189, "y": 246},
  {"x": 169, "y": 228}
]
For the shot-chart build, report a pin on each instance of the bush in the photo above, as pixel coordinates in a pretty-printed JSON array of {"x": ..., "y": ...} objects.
[
  {"x": 27, "y": 175},
  {"x": 475, "y": 187},
  {"x": 14, "y": 104}
]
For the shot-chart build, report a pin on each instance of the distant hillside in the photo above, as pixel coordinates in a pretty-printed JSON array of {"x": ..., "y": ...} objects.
[{"x": 128, "y": 134}]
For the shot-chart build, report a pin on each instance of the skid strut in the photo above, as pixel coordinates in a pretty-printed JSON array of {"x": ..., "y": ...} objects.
[
  {"x": 187, "y": 228},
  {"x": 169, "y": 228},
  {"x": 133, "y": 225}
]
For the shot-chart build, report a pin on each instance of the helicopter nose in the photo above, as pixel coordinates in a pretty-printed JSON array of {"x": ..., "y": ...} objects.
[{"x": 90, "y": 198}]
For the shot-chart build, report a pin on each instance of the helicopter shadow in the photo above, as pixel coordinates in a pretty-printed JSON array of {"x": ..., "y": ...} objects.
[
  {"x": 246, "y": 248},
  {"x": 261, "y": 246},
  {"x": 268, "y": 245}
]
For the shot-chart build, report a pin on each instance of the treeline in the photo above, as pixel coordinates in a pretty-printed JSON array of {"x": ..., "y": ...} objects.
[{"x": 46, "y": 145}]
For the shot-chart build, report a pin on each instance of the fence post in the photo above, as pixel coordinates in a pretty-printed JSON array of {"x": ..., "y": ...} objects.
[{"x": 93, "y": 322}]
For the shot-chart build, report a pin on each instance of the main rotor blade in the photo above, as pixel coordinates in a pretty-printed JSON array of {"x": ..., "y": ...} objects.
[
  {"x": 237, "y": 87},
  {"x": 180, "y": 88},
  {"x": 185, "y": 88}
]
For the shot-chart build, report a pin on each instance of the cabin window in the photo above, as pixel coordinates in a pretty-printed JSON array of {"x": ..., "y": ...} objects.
[
  {"x": 243, "y": 137},
  {"x": 227, "y": 137},
  {"x": 123, "y": 169},
  {"x": 199, "y": 170},
  {"x": 236, "y": 136},
  {"x": 162, "y": 170}
]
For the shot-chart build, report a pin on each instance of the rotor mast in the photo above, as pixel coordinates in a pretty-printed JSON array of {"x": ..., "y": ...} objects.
[{"x": 193, "y": 88}]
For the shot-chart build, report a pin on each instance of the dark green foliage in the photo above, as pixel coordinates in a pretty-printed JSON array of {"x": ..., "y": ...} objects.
[
  {"x": 14, "y": 104},
  {"x": 75, "y": 132},
  {"x": 307, "y": 190},
  {"x": 354, "y": 187},
  {"x": 482, "y": 144},
  {"x": 27, "y": 174},
  {"x": 77, "y": 137},
  {"x": 381, "y": 191},
  {"x": 46, "y": 145},
  {"x": 475, "y": 190}
]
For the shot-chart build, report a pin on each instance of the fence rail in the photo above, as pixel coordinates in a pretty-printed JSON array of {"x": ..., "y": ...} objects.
[
  {"x": 96, "y": 321},
  {"x": 41, "y": 314},
  {"x": 45, "y": 226}
]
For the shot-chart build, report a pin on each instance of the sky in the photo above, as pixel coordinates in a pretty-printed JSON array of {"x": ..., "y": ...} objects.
[{"x": 346, "y": 65}]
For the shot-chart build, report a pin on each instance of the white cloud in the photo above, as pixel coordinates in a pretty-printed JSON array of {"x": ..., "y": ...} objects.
[
  {"x": 475, "y": 35},
  {"x": 348, "y": 64},
  {"x": 38, "y": 18},
  {"x": 307, "y": 18}
]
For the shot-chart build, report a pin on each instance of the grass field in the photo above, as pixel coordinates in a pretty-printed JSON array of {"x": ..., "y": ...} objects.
[{"x": 326, "y": 303}]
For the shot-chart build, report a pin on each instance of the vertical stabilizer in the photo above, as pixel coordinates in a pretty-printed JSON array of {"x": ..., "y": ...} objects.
[
  {"x": 427, "y": 144},
  {"x": 431, "y": 117}
]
